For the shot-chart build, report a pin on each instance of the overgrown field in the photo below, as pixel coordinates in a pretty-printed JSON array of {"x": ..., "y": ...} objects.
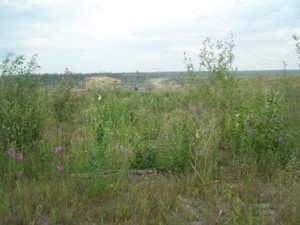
[{"x": 223, "y": 150}]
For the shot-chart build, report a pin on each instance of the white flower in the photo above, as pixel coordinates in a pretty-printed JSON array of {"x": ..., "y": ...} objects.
[{"x": 99, "y": 97}]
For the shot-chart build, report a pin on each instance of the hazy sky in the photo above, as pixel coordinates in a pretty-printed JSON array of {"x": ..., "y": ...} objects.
[{"x": 147, "y": 35}]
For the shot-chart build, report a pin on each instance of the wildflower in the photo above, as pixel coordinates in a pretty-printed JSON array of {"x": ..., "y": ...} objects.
[
  {"x": 23, "y": 146},
  {"x": 60, "y": 168},
  {"x": 19, "y": 172},
  {"x": 11, "y": 152},
  {"x": 99, "y": 98},
  {"x": 20, "y": 155},
  {"x": 280, "y": 139},
  {"x": 58, "y": 149}
]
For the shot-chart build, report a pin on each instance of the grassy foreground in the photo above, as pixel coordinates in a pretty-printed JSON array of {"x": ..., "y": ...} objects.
[
  {"x": 214, "y": 149},
  {"x": 201, "y": 154}
]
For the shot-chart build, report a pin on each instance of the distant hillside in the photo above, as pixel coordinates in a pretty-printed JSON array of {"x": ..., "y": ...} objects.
[{"x": 99, "y": 81}]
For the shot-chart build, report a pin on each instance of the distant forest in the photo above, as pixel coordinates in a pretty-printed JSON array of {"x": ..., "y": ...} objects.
[{"x": 141, "y": 77}]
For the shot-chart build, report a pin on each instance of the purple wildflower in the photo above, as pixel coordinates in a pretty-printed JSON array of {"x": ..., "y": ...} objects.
[
  {"x": 60, "y": 168},
  {"x": 280, "y": 139},
  {"x": 20, "y": 155},
  {"x": 11, "y": 152},
  {"x": 58, "y": 149}
]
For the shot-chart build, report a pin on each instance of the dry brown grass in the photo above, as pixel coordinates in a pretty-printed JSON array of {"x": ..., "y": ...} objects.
[{"x": 100, "y": 82}]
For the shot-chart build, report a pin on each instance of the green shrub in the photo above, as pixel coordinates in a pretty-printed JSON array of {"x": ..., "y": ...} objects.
[
  {"x": 65, "y": 101},
  {"x": 21, "y": 111},
  {"x": 256, "y": 127},
  {"x": 250, "y": 124}
]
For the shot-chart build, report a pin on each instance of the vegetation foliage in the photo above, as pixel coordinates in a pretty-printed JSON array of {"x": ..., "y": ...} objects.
[{"x": 220, "y": 149}]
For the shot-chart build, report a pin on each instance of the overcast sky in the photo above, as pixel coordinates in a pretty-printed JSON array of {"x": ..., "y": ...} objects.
[{"x": 147, "y": 35}]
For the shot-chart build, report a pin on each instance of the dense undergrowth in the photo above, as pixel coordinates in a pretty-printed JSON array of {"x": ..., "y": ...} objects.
[{"x": 226, "y": 148}]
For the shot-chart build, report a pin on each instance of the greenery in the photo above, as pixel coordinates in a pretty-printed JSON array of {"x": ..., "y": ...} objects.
[{"x": 213, "y": 149}]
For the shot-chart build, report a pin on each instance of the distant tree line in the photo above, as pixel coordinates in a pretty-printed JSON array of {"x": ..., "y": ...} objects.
[{"x": 126, "y": 78}]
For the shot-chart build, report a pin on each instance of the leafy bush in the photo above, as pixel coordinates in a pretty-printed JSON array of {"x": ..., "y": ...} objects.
[
  {"x": 250, "y": 125},
  {"x": 65, "y": 102},
  {"x": 21, "y": 114},
  {"x": 257, "y": 128}
]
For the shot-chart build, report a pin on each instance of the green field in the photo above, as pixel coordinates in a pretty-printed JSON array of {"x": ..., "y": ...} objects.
[{"x": 213, "y": 149}]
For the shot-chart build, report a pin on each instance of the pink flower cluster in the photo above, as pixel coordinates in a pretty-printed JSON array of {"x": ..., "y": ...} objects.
[
  {"x": 19, "y": 155},
  {"x": 280, "y": 139},
  {"x": 59, "y": 167},
  {"x": 11, "y": 152},
  {"x": 58, "y": 149}
]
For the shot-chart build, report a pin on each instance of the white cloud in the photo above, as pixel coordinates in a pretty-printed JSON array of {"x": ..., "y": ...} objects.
[{"x": 116, "y": 35}]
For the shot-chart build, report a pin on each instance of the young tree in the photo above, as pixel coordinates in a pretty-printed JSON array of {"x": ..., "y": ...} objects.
[{"x": 297, "y": 49}]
